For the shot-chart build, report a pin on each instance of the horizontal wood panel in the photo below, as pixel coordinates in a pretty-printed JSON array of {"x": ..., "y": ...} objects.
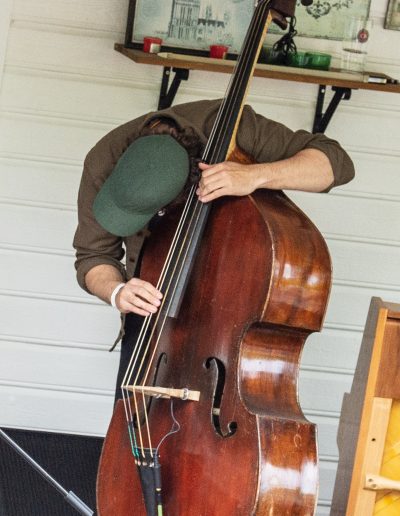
[
  {"x": 65, "y": 412},
  {"x": 352, "y": 217},
  {"x": 326, "y": 433},
  {"x": 322, "y": 391},
  {"x": 99, "y": 59},
  {"x": 83, "y": 371},
  {"x": 61, "y": 367},
  {"x": 354, "y": 261},
  {"x": 332, "y": 349},
  {"x": 56, "y": 139},
  {"x": 349, "y": 306},
  {"x": 115, "y": 101},
  {"x": 57, "y": 227},
  {"x": 105, "y": 103},
  {"x": 348, "y": 270},
  {"x": 376, "y": 173},
  {"x": 37, "y": 227},
  {"x": 103, "y": 14},
  {"x": 348, "y": 117},
  {"x": 45, "y": 274},
  {"x": 49, "y": 320},
  {"x": 39, "y": 182},
  {"x": 99, "y": 53},
  {"x": 327, "y": 474}
]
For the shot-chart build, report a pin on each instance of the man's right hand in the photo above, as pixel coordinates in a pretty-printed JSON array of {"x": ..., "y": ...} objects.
[{"x": 138, "y": 296}]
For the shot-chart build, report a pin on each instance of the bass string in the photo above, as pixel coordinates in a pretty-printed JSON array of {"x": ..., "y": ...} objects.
[
  {"x": 149, "y": 318},
  {"x": 149, "y": 369},
  {"x": 149, "y": 438},
  {"x": 223, "y": 111},
  {"x": 163, "y": 311},
  {"x": 238, "y": 80},
  {"x": 143, "y": 334},
  {"x": 163, "y": 317},
  {"x": 222, "y": 117}
]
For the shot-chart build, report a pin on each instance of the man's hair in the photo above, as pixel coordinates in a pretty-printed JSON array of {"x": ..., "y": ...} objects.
[{"x": 186, "y": 137}]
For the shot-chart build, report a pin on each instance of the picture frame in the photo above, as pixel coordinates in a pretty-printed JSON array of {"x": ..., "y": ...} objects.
[
  {"x": 225, "y": 22},
  {"x": 392, "y": 19},
  {"x": 326, "y": 19},
  {"x": 191, "y": 32}
]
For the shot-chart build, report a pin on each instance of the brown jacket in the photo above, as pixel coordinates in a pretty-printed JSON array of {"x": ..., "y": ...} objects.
[{"x": 265, "y": 140}]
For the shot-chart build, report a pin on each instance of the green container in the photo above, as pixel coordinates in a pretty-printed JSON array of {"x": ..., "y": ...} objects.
[
  {"x": 298, "y": 59},
  {"x": 318, "y": 61}
]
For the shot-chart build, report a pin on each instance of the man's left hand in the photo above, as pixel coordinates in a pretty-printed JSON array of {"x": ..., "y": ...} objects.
[{"x": 226, "y": 178}]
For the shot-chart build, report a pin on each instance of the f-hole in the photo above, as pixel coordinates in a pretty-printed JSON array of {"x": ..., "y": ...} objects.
[{"x": 219, "y": 369}]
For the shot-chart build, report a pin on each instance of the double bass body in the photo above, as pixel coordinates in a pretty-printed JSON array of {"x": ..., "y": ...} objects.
[{"x": 258, "y": 288}]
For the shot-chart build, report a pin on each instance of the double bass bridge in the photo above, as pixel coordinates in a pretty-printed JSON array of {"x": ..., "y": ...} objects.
[{"x": 184, "y": 394}]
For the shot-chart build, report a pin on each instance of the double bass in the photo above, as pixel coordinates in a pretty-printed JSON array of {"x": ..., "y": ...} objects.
[{"x": 210, "y": 422}]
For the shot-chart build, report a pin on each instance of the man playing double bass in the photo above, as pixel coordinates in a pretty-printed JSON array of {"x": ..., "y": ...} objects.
[{"x": 129, "y": 180}]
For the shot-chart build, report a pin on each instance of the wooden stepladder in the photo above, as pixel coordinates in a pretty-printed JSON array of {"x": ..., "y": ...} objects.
[{"x": 368, "y": 478}]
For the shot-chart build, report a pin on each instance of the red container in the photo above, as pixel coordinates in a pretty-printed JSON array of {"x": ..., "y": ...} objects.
[
  {"x": 218, "y": 51},
  {"x": 151, "y": 45}
]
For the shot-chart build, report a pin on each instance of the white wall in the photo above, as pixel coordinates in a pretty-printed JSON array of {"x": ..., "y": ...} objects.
[{"x": 62, "y": 88}]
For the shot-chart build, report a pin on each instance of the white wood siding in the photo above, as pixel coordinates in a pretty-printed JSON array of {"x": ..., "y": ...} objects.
[{"x": 62, "y": 88}]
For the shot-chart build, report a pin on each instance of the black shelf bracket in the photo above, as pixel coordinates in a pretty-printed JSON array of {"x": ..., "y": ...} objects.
[
  {"x": 167, "y": 95},
  {"x": 321, "y": 120}
]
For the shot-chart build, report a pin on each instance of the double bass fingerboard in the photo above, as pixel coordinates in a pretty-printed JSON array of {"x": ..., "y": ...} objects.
[{"x": 220, "y": 143}]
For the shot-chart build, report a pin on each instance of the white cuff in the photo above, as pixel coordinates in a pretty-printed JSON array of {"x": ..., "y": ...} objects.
[{"x": 114, "y": 294}]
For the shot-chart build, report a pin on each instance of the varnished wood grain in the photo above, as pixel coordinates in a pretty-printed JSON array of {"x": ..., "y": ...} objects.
[{"x": 244, "y": 307}]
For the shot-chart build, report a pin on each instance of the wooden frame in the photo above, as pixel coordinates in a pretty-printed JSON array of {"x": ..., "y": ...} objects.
[
  {"x": 367, "y": 478},
  {"x": 392, "y": 20}
]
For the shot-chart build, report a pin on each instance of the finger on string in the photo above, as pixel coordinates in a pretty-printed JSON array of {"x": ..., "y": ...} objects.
[
  {"x": 149, "y": 294},
  {"x": 213, "y": 183},
  {"x": 137, "y": 283},
  {"x": 144, "y": 305},
  {"x": 213, "y": 195},
  {"x": 135, "y": 309},
  {"x": 212, "y": 169},
  {"x": 140, "y": 292}
]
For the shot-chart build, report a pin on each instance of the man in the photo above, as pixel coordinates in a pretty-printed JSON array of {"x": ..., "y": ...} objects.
[{"x": 285, "y": 160}]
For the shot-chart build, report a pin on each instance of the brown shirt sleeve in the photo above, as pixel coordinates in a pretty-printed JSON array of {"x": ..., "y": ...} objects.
[
  {"x": 264, "y": 139},
  {"x": 268, "y": 141},
  {"x": 93, "y": 244}
]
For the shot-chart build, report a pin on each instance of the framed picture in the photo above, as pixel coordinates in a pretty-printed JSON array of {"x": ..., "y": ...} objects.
[
  {"x": 326, "y": 19},
  {"x": 189, "y": 26},
  {"x": 392, "y": 20}
]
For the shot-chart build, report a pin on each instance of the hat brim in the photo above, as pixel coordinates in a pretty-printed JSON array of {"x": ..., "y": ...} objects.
[{"x": 115, "y": 220}]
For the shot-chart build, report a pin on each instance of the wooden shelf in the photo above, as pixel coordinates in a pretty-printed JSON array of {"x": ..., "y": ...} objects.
[
  {"x": 328, "y": 78},
  {"x": 342, "y": 83}
]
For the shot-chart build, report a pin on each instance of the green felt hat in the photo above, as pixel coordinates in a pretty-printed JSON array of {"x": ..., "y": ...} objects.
[{"x": 148, "y": 176}]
